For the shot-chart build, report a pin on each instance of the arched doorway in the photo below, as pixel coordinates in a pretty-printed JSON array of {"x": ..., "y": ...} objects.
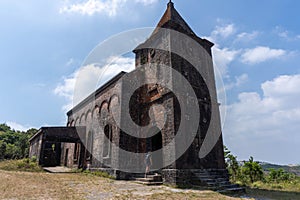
[{"x": 156, "y": 148}]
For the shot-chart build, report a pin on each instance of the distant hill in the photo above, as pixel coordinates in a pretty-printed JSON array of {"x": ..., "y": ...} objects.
[
  {"x": 295, "y": 169},
  {"x": 289, "y": 168}
]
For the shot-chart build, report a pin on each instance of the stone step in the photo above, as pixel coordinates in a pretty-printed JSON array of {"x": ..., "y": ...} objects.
[
  {"x": 142, "y": 175},
  {"x": 156, "y": 179},
  {"x": 210, "y": 172},
  {"x": 152, "y": 179},
  {"x": 149, "y": 183},
  {"x": 211, "y": 175},
  {"x": 210, "y": 179},
  {"x": 233, "y": 190}
]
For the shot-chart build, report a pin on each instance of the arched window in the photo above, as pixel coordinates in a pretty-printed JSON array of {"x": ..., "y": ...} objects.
[
  {"x": 107, "y": 141},
  {"x": 89, "y": 146}
]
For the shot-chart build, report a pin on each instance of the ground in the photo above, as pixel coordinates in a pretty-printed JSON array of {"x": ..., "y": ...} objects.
[
  {"x": 27, "y": 185},
  {"x": 41, "y": 185}
]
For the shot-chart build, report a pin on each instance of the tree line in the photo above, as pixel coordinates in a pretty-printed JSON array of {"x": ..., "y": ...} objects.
[
  {"x": 249, "y": 172},
  {"x": 14, "y": 144}
]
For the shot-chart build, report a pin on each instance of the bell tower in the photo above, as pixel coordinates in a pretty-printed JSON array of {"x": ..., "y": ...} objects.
[{"x": 173, "y": 43}]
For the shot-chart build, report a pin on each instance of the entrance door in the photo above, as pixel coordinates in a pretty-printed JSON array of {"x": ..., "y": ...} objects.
[
  {"x": 156, "y": 144},
  {"x": 66, "y": 158}
]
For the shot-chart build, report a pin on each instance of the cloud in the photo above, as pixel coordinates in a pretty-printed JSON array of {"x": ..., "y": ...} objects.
[
  {"x": 285, "y": 34},
  {"x": 91, "y": 7},
  {"x": 146, "y": 2},
  {"x": 239, "y": 80},
  {"x": 87, "y": 79},
  {"x": 244, "y": 36},
  {"x": 70, "y": 62},
  {"x": 18, "y": 127},
  {"x": 222, "y": 58},
  {"x": 260, "y": 54},
  {"x": 223, "y": 31},
  {"x": 255, "y": 123}
]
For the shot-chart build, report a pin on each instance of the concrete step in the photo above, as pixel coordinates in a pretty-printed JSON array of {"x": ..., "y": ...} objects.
[
  {"x": 233, "y": 190},
  {"x": 210, "y": 176},
  {"x": 210, "y": 173},
  {"x": 153, "y": 179},
  {"x": 58, "y": 169},
  {"x": 148, "y": 183}
]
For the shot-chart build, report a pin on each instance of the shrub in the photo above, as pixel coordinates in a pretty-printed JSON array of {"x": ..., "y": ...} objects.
[
  {"x": 253, "y": 171},
  {"x": 280, "y": 175},
  {"x": 20, "y": 165}
]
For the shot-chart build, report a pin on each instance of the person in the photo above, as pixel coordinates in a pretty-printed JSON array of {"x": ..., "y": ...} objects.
[{"x": 148, "y": 163}]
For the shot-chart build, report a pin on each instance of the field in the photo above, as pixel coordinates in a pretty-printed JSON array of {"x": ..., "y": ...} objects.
[
  {"x": 33, "y": 185},
  {"x": 40, "y": 185}
]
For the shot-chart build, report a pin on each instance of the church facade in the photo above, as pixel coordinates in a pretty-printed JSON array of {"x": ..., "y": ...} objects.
[{"x": 175, "y": 145}]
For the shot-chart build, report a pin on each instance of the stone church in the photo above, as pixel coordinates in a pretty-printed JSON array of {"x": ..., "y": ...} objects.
[{"x": 94, "y": 138}]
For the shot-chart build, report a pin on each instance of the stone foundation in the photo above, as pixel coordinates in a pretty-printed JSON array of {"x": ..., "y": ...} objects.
[{"x": 186, "y": 177}]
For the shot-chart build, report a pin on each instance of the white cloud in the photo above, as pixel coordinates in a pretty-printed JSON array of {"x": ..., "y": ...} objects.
[
  {"x": 223, "y": 31},
  {"x": 239, "y": 80},
  {"x": 18, "y": 127},
  {"x": 146, "y": 2},
  {"x": 286, "y": 34},
  {"x": 247, "y": 36},
  {"x": 91, "y": 7},
  {"x": 257, "y": 123},
  {"x": 87, "y": 79},
  {"x": 222, "y": 58},
  {"x": 70, "y": 62},
  {"x": 260, "y": 54}
]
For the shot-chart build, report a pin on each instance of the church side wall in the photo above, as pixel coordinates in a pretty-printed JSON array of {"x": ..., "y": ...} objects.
[
  {"x": 95, "y": 115},
  {"x": 199, "y": 61}
]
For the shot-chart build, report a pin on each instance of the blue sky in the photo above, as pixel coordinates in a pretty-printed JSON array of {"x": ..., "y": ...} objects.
[{"x": 43, "y": 44}]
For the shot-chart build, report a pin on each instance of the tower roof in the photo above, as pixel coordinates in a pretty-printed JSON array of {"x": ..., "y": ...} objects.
[{"x": 172, "y": 19}]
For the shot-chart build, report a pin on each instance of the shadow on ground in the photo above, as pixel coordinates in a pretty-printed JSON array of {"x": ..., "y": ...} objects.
[
  {"x": 264, "y": 194},
  {"x": 271, "y": 194},
  {"x": 258, "y": 194}
]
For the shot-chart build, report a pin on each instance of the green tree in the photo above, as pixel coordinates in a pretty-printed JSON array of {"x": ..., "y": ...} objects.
[
  {"x": 232, "y": 164},
  {"x": 31, "y": 132},
  {"x": 14, "y": 144},
  {"x": 280, "y": 175},
  {"x": 2, "y": 149},
  {"x": 252, "y": 171},
  {"x": 4, "y": 128}
]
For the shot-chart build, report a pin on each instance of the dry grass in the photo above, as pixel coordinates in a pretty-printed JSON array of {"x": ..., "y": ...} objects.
[
  {"x": 28, "y": 185},
  {"x": 20, "y": 165},
  {"x": 272, "y": 194},
  {"x": 37, "y": 185}
]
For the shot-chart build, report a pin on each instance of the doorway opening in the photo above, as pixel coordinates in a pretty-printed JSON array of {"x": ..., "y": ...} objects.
[{"x": 156, "y": 149}]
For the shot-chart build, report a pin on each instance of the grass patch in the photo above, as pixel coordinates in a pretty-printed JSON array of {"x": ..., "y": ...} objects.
[
  {"x": 289, "y": 186},
  {"x": 271, "y": 194},
  {"x": 94, "y": 173},
  {"x": 27, "y": 165}
]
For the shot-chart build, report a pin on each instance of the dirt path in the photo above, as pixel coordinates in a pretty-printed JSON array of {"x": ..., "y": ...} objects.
[{"x": 23, "y": 185}]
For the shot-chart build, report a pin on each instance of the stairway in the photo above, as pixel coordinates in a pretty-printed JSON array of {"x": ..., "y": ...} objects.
[
  {"x": 214, "y": 179},
  {"x": 150, "y": 179}
]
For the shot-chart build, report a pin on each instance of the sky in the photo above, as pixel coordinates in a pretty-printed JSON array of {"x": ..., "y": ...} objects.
[{"x": 44, "y": 43}]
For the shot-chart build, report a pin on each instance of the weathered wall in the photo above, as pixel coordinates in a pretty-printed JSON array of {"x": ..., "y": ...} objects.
[
  {"x": 35, "y": 147},
  {"x": 95, "y": 115}
]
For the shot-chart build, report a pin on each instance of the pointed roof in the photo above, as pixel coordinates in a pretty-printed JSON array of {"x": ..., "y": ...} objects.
[{"x": 172, "y": 19}]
